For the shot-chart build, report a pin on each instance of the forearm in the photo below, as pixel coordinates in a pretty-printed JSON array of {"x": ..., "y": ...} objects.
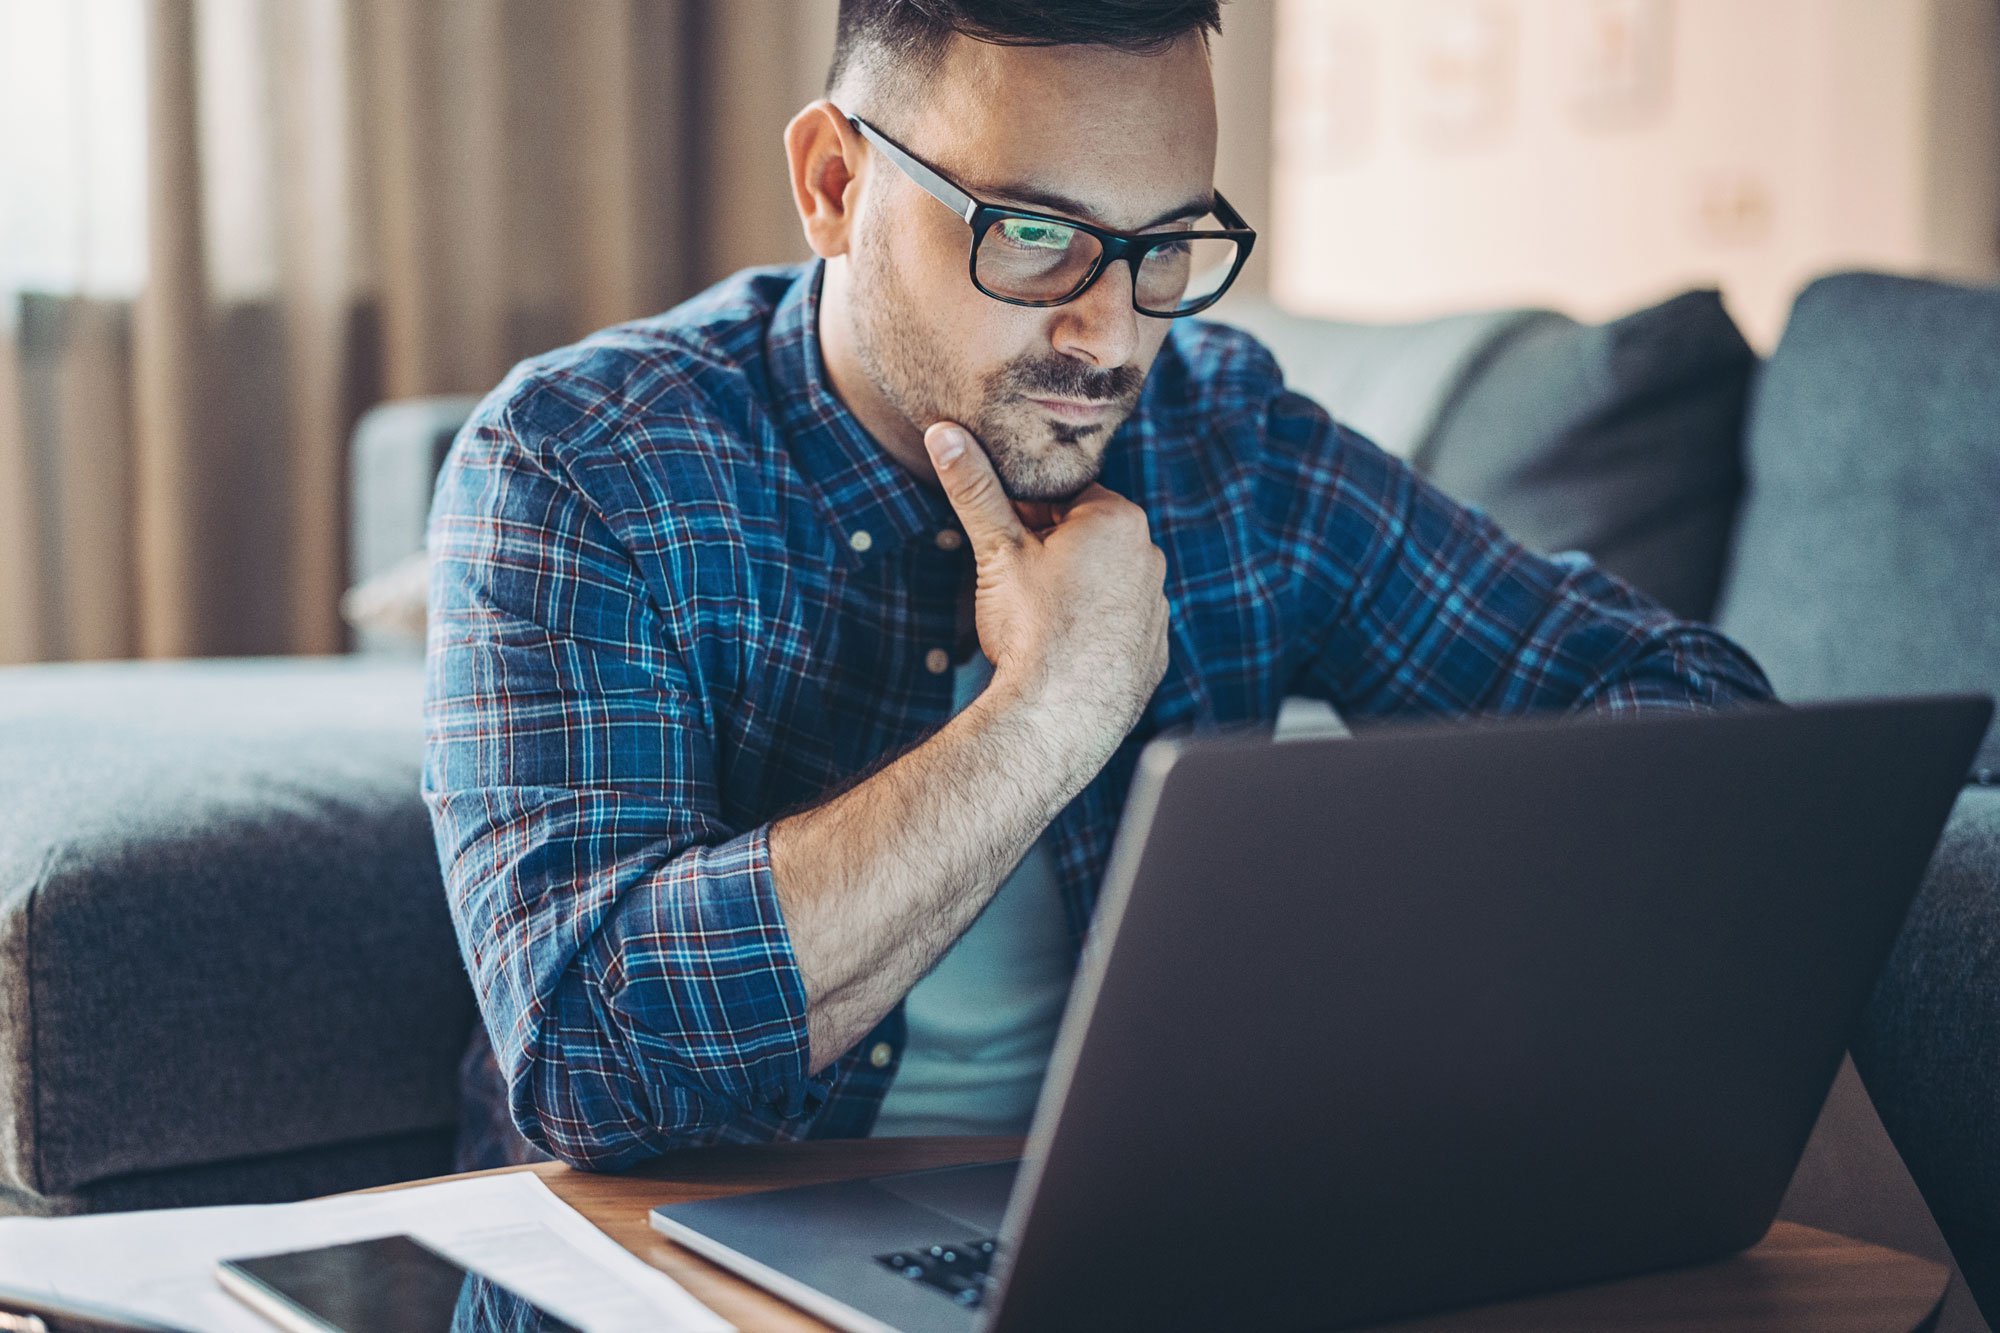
[
  {"x": 878, "y": 882},
  {"x": 1491, "y": 628},
  {"x": 1626, "y": 653}
]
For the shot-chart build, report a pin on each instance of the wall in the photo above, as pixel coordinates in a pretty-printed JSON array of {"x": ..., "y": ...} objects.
[{"x": 1437, "y": 154}]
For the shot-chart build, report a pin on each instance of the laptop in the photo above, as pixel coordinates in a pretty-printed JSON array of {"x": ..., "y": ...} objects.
[{"x": 1372, "y": 1027}]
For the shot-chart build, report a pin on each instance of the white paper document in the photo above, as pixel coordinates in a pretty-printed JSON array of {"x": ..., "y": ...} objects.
[{"x": 511, "y": 1228}]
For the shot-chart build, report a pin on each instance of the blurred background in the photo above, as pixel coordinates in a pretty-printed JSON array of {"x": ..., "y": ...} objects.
[{"x": 228, "y": 227}]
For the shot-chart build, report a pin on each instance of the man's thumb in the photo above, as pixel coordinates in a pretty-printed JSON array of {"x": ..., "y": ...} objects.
[{"x": 971, "y": 486}]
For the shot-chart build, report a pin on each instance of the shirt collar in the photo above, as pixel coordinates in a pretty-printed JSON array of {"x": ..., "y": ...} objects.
[{"x": 871, "y": 501}]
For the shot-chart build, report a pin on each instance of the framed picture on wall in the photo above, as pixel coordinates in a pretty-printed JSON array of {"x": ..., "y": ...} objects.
[
  {"x": 1461, "y": 78},
  {"x": 1327, "y": 86},
  {"x": 1618, "y": 60}
]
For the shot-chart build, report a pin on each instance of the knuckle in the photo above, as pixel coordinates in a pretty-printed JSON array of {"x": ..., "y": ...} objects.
[
  {"x": 978, "y": 504},
  {"x": 976, "y": 487}
]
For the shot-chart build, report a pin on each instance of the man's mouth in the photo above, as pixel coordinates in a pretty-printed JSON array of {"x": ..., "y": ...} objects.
[{"x": 1075, "y": 409}]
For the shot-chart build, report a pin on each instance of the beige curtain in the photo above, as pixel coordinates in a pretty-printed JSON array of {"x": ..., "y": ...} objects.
[{"x": 351, "y": 200}]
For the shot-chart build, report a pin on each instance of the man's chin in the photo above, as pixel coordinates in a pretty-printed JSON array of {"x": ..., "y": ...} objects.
[
  {"x": 1049, "y": 461},
  {"x": 1048, "y": 481},
  {"x": 1040, "y": 494}
]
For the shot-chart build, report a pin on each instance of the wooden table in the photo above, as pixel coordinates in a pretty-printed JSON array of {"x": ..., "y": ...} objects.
[{"x": 1796, "y": 1279}]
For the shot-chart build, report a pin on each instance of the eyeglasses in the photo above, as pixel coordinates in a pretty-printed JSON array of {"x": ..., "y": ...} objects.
[{"x": 1036, "y": 259}]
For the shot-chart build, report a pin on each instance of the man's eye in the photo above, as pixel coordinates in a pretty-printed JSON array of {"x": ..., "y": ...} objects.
[{"x": 1036, "y": 235}]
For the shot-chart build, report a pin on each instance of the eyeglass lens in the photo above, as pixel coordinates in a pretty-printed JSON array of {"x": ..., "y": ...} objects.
[{"x": 1029, "y": 259}]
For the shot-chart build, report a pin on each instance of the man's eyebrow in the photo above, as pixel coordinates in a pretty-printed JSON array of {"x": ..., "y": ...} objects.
[{"x": 1062, "y": 203}]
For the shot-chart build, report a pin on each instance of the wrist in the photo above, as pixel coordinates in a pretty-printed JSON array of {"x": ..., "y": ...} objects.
[{"x": 1069, "y": 728}]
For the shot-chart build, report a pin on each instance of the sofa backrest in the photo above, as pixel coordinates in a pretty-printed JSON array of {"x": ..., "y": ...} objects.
[
  {"x": 398, "y": 448},
  {"x": 1391, "y": 382},
  {"x": 1867, "y": 554}
]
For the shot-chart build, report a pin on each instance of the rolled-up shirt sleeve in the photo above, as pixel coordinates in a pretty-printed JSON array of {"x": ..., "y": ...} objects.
[
  {"x": 624, "y": 939},
  {"x": 1412, "y": 602}
]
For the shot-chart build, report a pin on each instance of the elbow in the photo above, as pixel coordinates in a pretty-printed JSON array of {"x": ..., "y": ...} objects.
[
  {"x": 1713, "y": 670},
  {"x": 1687, "y": 668},
  {"x": 599, "y": 1120},
  {"x": 576, "y": 1092}
]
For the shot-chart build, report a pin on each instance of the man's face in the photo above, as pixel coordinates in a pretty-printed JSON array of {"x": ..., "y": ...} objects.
[{"x": 1087, "y": 133}]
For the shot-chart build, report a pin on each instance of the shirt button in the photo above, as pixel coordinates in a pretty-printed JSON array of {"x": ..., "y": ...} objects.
[
  {"x": 937, "y": 661},
  {"x": 860, "y": 540},
  {"x": 880, "y": 1054},
  {"x": 950, "y": 539}
]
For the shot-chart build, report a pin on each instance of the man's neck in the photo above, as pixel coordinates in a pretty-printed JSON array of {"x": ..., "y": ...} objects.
[{"x": 853, "y": 385}]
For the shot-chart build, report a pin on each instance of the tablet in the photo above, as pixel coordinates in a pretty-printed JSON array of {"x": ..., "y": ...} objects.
[{"x": 393, "y": 1284}]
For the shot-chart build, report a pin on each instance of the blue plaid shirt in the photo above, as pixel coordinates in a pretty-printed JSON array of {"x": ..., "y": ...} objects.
[{"x": 678, "y": 591}]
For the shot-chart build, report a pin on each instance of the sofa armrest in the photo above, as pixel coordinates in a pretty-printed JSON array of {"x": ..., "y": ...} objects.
[
  {"x": 1929, "y": 1046},
  {"x": 222, "y": 931}
]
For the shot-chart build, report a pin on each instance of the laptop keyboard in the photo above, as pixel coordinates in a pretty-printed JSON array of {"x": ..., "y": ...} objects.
[{"x": 959, "y": 1271}]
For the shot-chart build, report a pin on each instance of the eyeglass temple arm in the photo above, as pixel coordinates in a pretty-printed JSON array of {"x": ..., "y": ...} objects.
[
  {"x": 1226, "y": 214},
  {"x": 957, "y": 200}
]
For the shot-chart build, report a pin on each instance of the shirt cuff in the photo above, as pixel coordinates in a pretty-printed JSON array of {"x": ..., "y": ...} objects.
[{"x": 704, "y": 973}]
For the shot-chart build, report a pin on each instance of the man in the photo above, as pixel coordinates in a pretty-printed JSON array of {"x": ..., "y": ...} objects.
[{"x": 773, "y": 635}]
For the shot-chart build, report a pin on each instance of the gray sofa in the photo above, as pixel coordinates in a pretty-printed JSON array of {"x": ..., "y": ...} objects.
[{"x": 226, "y": 969}]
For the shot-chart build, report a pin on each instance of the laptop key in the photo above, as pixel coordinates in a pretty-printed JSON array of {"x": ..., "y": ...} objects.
[{"x": 960, "y": 1271}]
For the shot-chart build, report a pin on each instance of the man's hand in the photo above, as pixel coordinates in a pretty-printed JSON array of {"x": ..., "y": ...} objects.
[{"x": 1072, "y": 614}]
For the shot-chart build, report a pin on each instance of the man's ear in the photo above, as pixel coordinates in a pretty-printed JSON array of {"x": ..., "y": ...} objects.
[{"x": 823, "y": 151}]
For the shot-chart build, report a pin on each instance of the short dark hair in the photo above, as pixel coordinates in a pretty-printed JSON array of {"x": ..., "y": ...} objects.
[{"x": 908, "y": 37}]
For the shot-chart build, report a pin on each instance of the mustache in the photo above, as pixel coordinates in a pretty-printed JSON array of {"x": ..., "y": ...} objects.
[{"x": 1065, "y": 377}]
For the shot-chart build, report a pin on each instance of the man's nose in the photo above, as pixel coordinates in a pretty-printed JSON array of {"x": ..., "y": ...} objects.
[{"x": 1100, "y": 326}]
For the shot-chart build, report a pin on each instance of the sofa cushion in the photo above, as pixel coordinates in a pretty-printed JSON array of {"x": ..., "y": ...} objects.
[
  {"x": 1621, "y": 440},
  {"x": 1867, "y": 556},
  {"x": 222, "y": 930},
  {"x": 1391, "y": 382}
]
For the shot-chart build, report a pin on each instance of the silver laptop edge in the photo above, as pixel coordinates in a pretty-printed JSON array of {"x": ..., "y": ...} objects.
[{"x": 809, "y": 1299}]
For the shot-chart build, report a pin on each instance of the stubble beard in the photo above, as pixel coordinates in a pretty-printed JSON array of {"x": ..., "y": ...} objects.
[{"x": 1034, "y": 457}]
